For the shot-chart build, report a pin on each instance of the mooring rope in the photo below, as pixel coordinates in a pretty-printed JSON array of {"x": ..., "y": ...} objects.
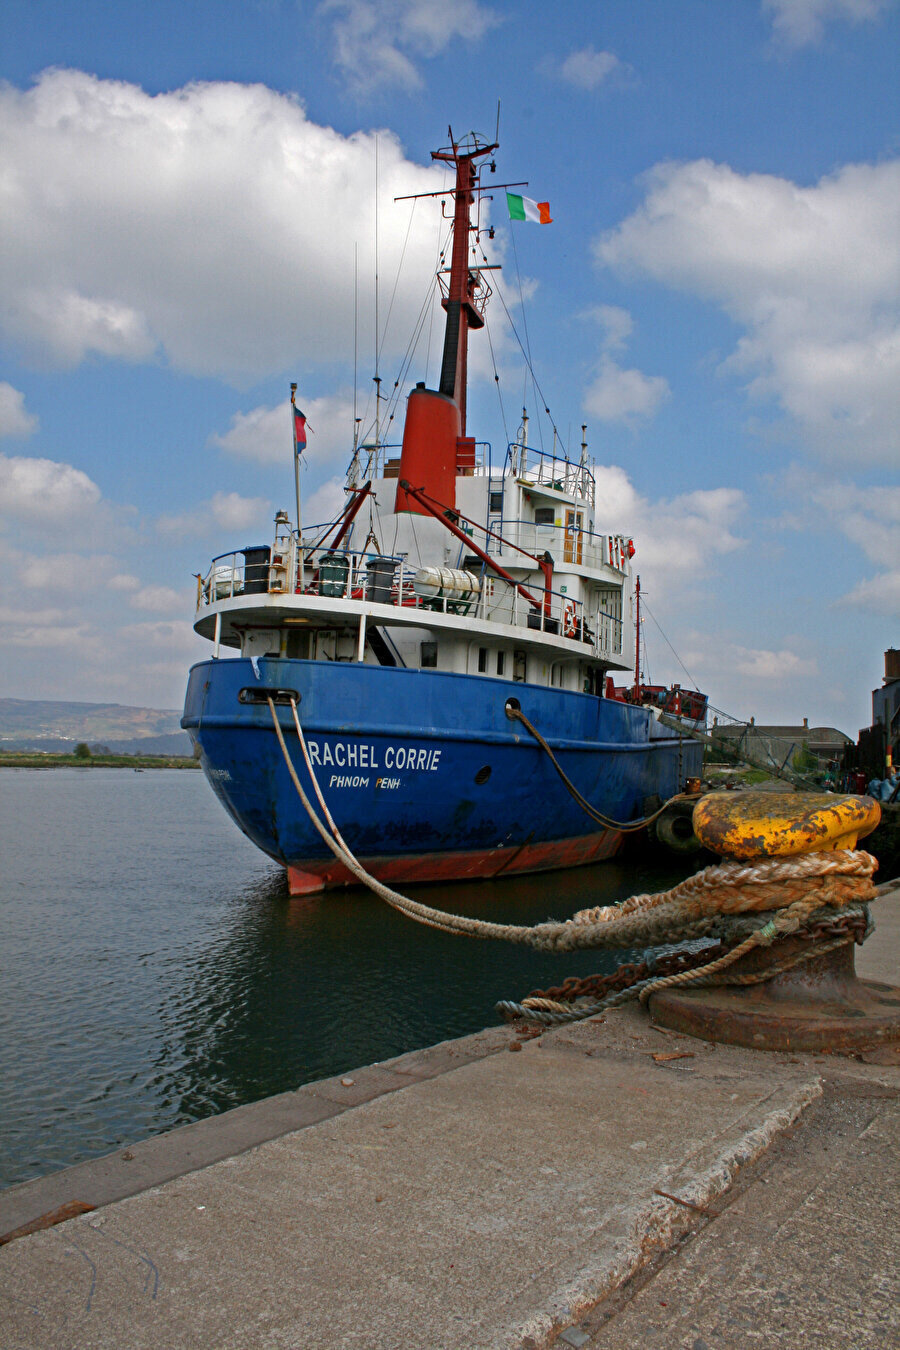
[
  {"x": 623, "y": 827},
  {"x": 797, "y": 886}
]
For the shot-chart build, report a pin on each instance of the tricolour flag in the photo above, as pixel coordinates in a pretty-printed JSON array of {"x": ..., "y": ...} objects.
[
  {"x": 523, "y": 208},
  {"x": 299, "y": 430}
]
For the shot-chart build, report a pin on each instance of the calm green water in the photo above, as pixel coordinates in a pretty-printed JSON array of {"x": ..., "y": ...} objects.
[{"x": 153, "y": 969}]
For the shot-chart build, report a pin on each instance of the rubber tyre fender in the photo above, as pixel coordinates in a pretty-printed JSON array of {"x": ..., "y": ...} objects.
[{"x": 675, "y": 829}]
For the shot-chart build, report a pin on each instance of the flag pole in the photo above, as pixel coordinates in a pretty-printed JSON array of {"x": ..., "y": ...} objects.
[
  {"x": 296, "y": 456},
  {"x": 297, "y": 481}
]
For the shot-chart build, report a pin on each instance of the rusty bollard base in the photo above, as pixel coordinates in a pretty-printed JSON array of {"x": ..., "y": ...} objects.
[{"x": 818, "y": 1006}]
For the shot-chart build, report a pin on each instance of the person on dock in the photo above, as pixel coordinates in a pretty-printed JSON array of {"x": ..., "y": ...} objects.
[{"x": 883, "y": 789}]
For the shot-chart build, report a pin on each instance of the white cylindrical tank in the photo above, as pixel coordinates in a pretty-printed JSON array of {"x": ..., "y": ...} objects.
[{"x": 446, "y": 583}]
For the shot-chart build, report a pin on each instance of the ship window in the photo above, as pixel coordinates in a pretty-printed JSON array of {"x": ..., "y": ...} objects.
[
  {"x": 429, "y": 655},
  {"x": 500, "y": 663},
  {"x": 482, "y": 660},
  {"x": 519, "y": 666},
  {"x": 544, "y": 515},
  {"x": 496, "y": 502}
]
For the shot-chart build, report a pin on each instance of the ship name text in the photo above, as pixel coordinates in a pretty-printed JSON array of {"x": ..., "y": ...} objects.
[{"x": 350, "y": 755}]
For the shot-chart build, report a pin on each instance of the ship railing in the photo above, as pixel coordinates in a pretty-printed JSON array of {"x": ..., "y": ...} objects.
[
  {"x": 559, "y": 614},
  {"x": 567, "y": 545},
  {"x": 383, "y": 461},
  {"x": 242, "y": 572},
  {"x": 546, "y": 469},
  {"x": 348, "y": 574}
]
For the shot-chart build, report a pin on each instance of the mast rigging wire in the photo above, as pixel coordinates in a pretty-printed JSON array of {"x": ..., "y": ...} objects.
[
  {"x": 543, "y": 401},
  {"x": 487, "y": 329},
  {"x": 645, "y": 606}
]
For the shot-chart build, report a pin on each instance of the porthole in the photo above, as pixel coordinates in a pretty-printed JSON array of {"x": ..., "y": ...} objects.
[{"x": 483, "y": 774}]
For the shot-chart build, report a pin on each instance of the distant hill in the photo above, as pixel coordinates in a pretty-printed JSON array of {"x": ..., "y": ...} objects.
[{"x": 55, "y": 726}]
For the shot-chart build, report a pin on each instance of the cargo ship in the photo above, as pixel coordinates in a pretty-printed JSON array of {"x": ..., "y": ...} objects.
[{"x": 456, "y": 690}]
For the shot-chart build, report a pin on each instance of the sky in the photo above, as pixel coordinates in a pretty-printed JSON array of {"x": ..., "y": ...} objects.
[{"x": 191, "y": 197}]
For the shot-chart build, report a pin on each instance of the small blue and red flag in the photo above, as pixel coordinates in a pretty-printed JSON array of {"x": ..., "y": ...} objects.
[{"x": 299, "y": 430}]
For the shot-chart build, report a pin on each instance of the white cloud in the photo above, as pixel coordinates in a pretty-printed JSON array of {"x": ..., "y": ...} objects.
[
  {"x": 264, "y": 434},
  {"x": 231, "y": 511},
  {"x": 43, "y": 489},
  {"x": 47, "y": 630},
  {"x": 674, "y": 538},
  {"x": 761, "y": 664},
  {"x": 325, "y": 503},
  {"x": 377, "y": 41},
  {"x": 588, "y": 68},
  {"x": 870, "y": 519},
  {"x": 213, "y": 227},
  {"x": 14, "y": 419},
  {"x": 798, "y": 23},
  {"x": 222, "y": 512},
  {"x": 160, "y": 599},
  {"x": 619, "y": 395},
  {"x": 879, "y": 594},
  {"x": 70, "y": 325},
  {"x": 617, "y": 325},
  {"x": 123, "y": 581},
  {"x": 774, "y": 684},
  {"x": 174, "y": 636},
  {"x": 810, "y": 273},
  {"x": 69, "y": 573}
]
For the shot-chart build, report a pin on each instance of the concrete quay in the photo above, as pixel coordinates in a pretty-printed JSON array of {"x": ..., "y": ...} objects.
[{"x": 607, "y": 1185}]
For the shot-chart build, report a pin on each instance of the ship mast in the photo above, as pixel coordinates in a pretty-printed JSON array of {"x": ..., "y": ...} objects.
[
  {"x": 435, "y": 445},
  {"x": 459, "y": 303}
]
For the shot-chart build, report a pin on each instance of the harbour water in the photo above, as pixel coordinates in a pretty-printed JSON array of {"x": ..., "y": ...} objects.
[{"x": 154, "y": 970}]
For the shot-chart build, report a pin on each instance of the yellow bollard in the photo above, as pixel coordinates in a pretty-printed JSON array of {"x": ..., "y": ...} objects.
[
  {"x": 780, "y": 824},
  {"x": 801, "y": 993}
]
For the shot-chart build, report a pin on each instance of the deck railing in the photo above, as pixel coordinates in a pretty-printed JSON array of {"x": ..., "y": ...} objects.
[
  {"x": 568, "y": 547},
  {"x": 544, "y": 468},
  {"x": 347, "y": 574},
  {"x": 383, "y": 460}
]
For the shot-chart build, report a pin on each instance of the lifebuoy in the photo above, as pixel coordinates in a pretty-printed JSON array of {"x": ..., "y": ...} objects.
[{"x": 570, "y": 622}]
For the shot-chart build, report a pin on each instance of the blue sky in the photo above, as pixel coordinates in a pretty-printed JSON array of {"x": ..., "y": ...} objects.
[{"x": 188, "y": 188}]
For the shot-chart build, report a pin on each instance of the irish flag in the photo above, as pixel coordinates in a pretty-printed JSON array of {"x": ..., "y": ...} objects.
[{"x": 523, "y": 208}]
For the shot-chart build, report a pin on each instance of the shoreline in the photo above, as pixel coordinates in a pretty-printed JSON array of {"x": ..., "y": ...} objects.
[{"x": 26, "y": 760}]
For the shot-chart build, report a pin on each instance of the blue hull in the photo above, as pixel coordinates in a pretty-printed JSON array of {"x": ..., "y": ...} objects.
[{"x": 424, "y": 773}]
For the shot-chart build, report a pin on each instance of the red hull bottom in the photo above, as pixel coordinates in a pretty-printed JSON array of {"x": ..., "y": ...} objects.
[{"x": 462, "y": 866}]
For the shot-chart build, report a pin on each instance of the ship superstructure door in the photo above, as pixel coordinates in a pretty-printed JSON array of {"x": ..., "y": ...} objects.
[
  {"x": 574, "y": 541},
  {"x": 495, "y": 511}
]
